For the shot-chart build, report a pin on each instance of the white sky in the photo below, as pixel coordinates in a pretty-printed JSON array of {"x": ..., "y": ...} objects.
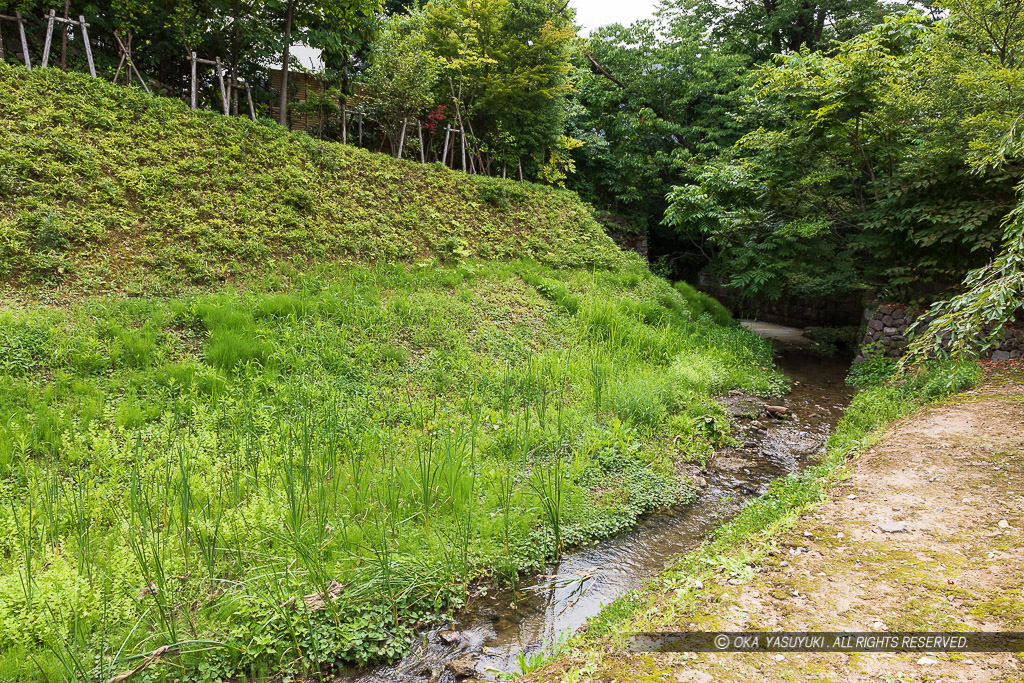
[{"x": 594, "y": 14}]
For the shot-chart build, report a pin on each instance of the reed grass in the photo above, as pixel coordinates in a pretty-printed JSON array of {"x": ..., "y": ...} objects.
[{"x": 379, "y": 437}]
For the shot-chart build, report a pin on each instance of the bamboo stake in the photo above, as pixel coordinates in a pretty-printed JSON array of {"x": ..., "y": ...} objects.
[
  {"x": 344, "y": 123},
  {"x": 444, "y": 155},
  {"x": 88, "y": 48},
  {"x": 360, "y": 129},
  {"x": 49, "y": 38},
  {"x": 423, "y": 152}
]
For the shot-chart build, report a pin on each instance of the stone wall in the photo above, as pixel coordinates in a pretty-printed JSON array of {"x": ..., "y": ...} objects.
[
  {"x": 886, "y": 327},
  {"x": 627, "y": 235}
]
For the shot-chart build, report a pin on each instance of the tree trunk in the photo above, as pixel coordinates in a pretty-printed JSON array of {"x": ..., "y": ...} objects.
[
  {"x": 344, "y": 122},
  {"x": 234, "y": 59},
  {"x": 423, "y": 152},
  {"x": 64, "y": 38},
  {"x": 282, "y": 115}
]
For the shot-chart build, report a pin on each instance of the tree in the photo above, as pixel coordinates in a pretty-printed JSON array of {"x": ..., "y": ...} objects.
[
  {"x": 505, "y": 74},
  {"x": 652, "y": 96},
  {"x": 663, "y": 97},
  {"x": 338, "y": 27},
  {"x": 402, "y": 78},
  {"x": 863, "y": 159}
]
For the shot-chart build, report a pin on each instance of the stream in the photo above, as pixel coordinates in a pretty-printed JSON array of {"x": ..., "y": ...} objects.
[{"x": 495, "y": 628}]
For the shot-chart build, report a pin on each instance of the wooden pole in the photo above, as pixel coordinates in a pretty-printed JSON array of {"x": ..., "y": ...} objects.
[
  {"x": 223, "y": 92},
  {"x": 1, "y": 43},
  {"x": 401, "y": 139},
  {"x": 423, "y": 152},
  {"x": 444, "y": 155},
  {"x": 24, "y": 41},
  {"x": 131, "y": 65},
  {"x": 195, "y": 86},
  {"x": 520, "y": 171},
  {"x": 344, "y": 123},
  {"x": 117, "y": 74},
  {"x": 49, "y": 38},
  {"x": 88, "y": 48},
  {"x": 248, "y": 95},
  {"x": 360, "y": 129}
]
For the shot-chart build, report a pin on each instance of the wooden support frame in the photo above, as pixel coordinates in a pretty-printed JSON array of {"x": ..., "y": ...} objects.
[
  {"x": 49, "y": 38},
  {"x": 227, "y": 90},
  {"x": 20, "y": 21},
  {"x": 125, "y": 47},
  {"x": 53, "y": 19}
]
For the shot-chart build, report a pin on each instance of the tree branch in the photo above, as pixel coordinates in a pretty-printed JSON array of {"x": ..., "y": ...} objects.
[{"x": 604, "y": 72}]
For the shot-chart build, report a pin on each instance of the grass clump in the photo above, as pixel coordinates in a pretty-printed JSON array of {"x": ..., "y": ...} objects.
[{"x": 301, "y": 474}]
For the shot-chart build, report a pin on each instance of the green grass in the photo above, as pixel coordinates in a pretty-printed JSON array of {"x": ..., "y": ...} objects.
[
  {"x": 188, "y": 469},
  {"x": 274, "y": 404},
  {"x": 104, "y": 188}
]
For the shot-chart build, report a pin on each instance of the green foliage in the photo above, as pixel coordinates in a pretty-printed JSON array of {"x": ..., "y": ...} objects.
[
  {"x": 893, "y": 121},
  {"x": 403, "y": 75},
  {"x": 23, "y": 346},
  {"x": 661, "y": 98},
  {"x": 872, "y": 372},
  {"x": 162, "y": 198},
  {"x": 302, "y": 472}
]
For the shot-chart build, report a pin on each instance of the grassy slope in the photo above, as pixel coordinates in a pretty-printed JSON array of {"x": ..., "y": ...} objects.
[
  {"x": 187, "y": 467},
  {"x": 105, "y": 187}
]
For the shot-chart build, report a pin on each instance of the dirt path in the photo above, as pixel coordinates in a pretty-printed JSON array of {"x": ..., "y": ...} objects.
[{"x": 952, "y": 476}]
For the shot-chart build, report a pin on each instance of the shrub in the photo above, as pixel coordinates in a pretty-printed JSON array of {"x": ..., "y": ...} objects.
[{"x": 700, "y": 303}]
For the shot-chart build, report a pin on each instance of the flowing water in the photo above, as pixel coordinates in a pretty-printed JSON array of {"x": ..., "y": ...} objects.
[{"x": 497, "y": 627}]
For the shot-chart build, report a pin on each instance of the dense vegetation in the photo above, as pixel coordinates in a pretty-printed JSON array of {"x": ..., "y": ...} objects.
[
  {"x": 270, "y": 403},
  {"x": 299, "y": 467},
  {"x": 106, "y": 187},
  {"x": 750, "y": 140}
]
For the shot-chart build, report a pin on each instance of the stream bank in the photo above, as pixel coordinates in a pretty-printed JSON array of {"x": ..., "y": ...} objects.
[
  {"x": 496, "y": 629},
  {"x": 923, "y": 535}
]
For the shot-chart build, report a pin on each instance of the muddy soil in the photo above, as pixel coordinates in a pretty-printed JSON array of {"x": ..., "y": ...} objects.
[{"x": 924, "y": 535}]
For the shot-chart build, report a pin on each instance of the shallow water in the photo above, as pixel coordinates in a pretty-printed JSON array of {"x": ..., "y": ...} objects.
[{"x": 501, "y": 625}]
